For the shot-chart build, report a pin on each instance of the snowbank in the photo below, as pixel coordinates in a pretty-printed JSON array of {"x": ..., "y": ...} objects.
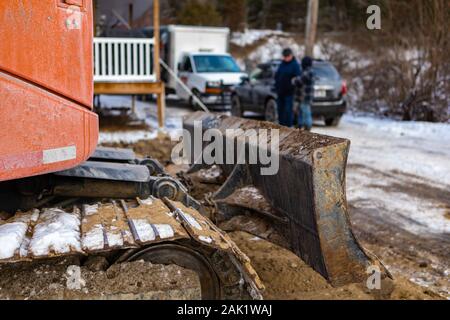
[{"x": 251, "y": 36}]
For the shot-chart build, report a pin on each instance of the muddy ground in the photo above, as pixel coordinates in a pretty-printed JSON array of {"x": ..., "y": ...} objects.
[
  {"x": 69, "y": 279},
  {"x": 278, "y": 267},
  {"x": 285, "y": 275}
]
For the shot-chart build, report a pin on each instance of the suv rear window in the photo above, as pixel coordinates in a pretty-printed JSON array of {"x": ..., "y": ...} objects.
[{"x": 326, "y": 71}]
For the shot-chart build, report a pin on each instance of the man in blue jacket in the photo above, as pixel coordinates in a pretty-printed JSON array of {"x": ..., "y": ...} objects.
[{"x": 285, "y": 88}]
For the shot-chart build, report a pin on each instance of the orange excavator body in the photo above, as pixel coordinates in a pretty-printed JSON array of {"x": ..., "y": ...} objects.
[{"x": 46, "y": 86}]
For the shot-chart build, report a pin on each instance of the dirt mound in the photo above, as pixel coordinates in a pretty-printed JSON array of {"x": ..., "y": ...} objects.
[
  {"x": 65, "y": 279},
  {"x": 286, "y": 276},
  {"x": 159, "y": 148}
]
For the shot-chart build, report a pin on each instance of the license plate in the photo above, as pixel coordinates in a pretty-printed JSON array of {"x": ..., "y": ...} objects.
[{"x": 320, "y": 94}]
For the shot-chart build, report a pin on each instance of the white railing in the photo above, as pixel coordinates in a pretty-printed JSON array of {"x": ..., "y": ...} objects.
[{"x": 123, "y": 60}]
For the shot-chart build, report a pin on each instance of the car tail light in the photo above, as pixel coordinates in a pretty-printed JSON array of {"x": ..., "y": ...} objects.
[{"x": 344, "y": 89}]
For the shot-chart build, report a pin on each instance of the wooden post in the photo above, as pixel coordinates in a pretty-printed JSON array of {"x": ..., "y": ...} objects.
[
  {"x": 156, "y": 65},
  {"x": 133, "y": 105},
  {"x": 311, "y": 26},
  {"x": 130, "y": 15}
]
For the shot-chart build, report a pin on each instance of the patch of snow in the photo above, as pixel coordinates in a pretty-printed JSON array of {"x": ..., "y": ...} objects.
[
  {"x": 127, "y": 137},
  {"x": 410, "y": 213},
  {"x": 93, "y": 240},
  {"x": 273, "y": 49},
  {"x": 144, "y": 230},
  {"x": 75, "y": 282},
  {"x": 57, "y": 232},
  {"x": 145, "y": 112},
  {"x": 115, "y": 239},
  {"x": 206, "y": 239},
  {"x": 11, "y": 238},
  {"x": 165, "y": 231},
  {"x": 392, "y": 155},
  {"x": 251, "y": 36},
  {"x": 416, "y": 148},
  {"x": 91, "y": 210},
  {"x": 148, "y": 202},
  {"x": 189, "y": 219},
  {"x": 212, "y": 173}
]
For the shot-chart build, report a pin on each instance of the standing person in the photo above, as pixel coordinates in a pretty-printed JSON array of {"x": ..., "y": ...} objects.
[
  {"x": 288, "y": 70},
  {"x": 306, "y": 84}
]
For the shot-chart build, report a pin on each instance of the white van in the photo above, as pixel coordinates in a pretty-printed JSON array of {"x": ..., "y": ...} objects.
[{"x": 200, "y": 57}]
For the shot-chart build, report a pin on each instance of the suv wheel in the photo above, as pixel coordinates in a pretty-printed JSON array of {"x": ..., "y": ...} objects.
[
  {"x": 236, "y": 107},
  {"x": 271, "y": 111},
  {"x": 333, "y": 122}
]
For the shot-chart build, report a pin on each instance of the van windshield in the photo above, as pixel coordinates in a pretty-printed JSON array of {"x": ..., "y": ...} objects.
[{"x": 215, "y": 64}]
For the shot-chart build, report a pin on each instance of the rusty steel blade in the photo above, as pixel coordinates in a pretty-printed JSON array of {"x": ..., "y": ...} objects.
[{"x": 308, "y": 190}]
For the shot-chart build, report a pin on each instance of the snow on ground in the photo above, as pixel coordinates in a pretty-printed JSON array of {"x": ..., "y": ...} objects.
[
  {"x": 146, "y": 112},
  {"x": 393, "y": 158},
  {"x": 416, "y": 148},
  {"x": 276, "y": 41},
  {"x": 273, "y": 49},
  {"x": 126, "y": 136}
]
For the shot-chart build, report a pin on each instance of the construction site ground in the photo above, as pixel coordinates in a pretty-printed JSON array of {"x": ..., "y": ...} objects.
[{"x": 400, "y": 215}]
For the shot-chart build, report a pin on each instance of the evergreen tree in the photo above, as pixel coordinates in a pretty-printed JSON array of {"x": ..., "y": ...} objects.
[
  {"x": 199, "y": 13},
  {"x": 234, "y": 13}
]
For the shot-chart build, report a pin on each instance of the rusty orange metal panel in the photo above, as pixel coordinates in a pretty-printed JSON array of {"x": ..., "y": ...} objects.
[
  {"x": 41, "y": 132},
  {"x": 49, "y": 43},
  {"x": 46, "y": 86}
]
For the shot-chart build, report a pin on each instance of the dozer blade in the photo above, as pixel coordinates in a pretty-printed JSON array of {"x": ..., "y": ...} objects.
[{"x": 305, "y": 198}]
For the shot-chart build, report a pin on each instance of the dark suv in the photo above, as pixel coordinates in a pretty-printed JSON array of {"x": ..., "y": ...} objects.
[{"x": 257, "y": 93}]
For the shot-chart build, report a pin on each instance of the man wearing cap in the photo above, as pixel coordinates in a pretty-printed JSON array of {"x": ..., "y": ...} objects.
[{"x": 285, "y": 88}]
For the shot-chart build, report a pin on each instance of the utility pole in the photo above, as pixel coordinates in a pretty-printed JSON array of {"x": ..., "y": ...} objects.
[
  {"x": 311, "y": 26},
  {"x": 161, "y": 101}
]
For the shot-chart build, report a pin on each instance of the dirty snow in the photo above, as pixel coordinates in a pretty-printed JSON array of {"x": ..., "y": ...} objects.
[
  {"x": 251, "y": 36},
  {"x": 273, "y": 49},
  {"x": 146, "y": 112},
  {"x": 144, "y": 230},
  {"x": 94, "y": 240},
  {"x": 115, "y": 238},
  {"x": 276, "y": 41},
  {"x": 91, "y": 210},
  {"x": 74, "y": 278},
  {"x": 165, "y": 231},
  {"x": 148, "y": 202},
  {"x": 189, "y": 219},
  {"x": 393, "y": 156},
  {"x": 57, "y": 232},
  {"x": 205, "y": 239},
  {"x": 416, "y": 148}
]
